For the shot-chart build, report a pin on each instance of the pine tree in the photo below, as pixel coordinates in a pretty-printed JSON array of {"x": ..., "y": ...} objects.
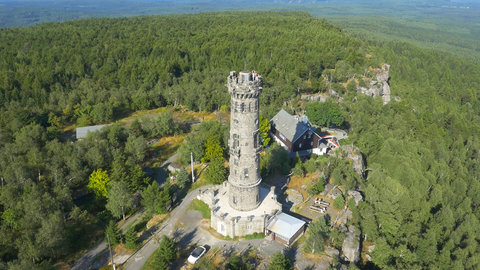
[
  {"x": 216, "y": 172},
  {"x": 280, "y": 262},
  {"x": 113, "y": 233},
  {"x": 131, "y": 240}
]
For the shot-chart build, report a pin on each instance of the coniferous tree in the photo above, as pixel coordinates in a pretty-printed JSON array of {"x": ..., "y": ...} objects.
[{"x": 113, "y": 233}]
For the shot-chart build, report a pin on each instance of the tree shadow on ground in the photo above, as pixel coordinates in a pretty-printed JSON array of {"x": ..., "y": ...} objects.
[{"x": 186, "y": 239}]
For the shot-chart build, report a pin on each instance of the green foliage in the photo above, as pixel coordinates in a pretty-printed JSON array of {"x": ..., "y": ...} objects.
[
  {"x": 254, "y": 235},
  {"x": 136, "y": 148},
  {"x": 213, "y": 148},
  {"x": 165, "y": 254},
  {"x": 298, "y": 170},
  {"x": 311, "y": 164},
  {"x": 202, "y": 207},
  {"x": 99, "y": 183},
  {"x": 164, "y": 125},
  {"x": 337, "y": 237},
  {"x": 351, "y": 204},
  {"x": 324, "y": 114},
  {"x": 131, "y": 239},
  {"x": 183, "y": 178},
  {"x": 340, "y": 170},
  {"x": 216, "y": 173},
  {"x": 196, "y": 142},
  {"x": 275, "y": 160},
  {"x": 156, "y": 199},
  {"x": 237, "y": 262},
  {"x": 264, "y": 126},
  {"x": 113, "y": 233},
  {"x": 136, "y": 178},
  {"x": 280, "y": 262},
  {"x": 317, "y": 234},
  {"x": 119, "y": 199},
  {"x": 204, "y": 264},
  {"x": 316, "y": 187},
  {"x": 422, "y": 152},
  {"x": 339, "y": 202}
]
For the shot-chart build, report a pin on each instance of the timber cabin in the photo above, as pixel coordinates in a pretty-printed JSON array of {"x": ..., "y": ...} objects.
[{"x": 296, "y": 135}]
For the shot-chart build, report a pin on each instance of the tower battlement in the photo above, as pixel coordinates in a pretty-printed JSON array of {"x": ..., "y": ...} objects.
[{"x": 244, "y": 84}]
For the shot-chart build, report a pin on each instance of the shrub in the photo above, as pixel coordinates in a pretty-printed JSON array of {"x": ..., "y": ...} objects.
[{"x": 339, "y": 202}]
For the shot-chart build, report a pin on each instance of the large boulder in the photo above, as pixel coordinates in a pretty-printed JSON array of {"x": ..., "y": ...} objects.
[
  {"x": 354, "y": 154},
  {"x": 380, "y": 86},
  {"x": 356, "y": 196},
  {"x": 351, "y": 246}
]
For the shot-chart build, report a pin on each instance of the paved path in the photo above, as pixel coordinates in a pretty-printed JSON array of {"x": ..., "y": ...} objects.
[
  {"x": 168, "y": 228},
  {"x": 185, "y": 227},
  {"x": 161, "y": 173},
  {"x": 87, "y": 259}
]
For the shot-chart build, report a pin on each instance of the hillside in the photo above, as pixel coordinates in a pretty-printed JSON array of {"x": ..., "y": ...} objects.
[
  {"x": 422, "y": 207},
  {"x": 450, "y": 26}
]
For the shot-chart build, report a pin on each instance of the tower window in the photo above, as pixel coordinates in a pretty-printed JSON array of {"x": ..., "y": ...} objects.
[
  {"x": 245, "y": 173},
  {"x": 242, "y": 107},
  {"x": 235, "y": 141},
  {"x": 250, "y": 107},
  {"x": 235, "y": 107}
]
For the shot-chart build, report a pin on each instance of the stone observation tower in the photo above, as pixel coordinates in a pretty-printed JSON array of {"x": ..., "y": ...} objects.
[
  {"x": 244, "y": 179},
  {"x": 242, "y": 205}
]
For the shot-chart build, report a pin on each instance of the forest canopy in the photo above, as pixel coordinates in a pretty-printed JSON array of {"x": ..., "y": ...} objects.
[{"x": 422, "y": 202}]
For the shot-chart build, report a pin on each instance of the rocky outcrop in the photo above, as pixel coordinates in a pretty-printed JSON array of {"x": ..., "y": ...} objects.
[
  {"x": 356, "y": 196},
  {"x": 315, "y": 97},
  {"x": 351, "y": 246},
  {"x": 354, "y": 154},
  {"x": 380, "y": 86}
]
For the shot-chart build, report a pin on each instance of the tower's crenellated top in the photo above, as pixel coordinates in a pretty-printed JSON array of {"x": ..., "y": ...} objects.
[{"x": 247, "y": 84}]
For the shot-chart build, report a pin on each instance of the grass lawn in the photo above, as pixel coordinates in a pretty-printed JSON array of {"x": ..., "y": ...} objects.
[
  {"x": 166, "y": 147},
  {"x": 201, "y": 207},
  {"x": 255, "y": 235},
  {"x": 296, "y": 182}
]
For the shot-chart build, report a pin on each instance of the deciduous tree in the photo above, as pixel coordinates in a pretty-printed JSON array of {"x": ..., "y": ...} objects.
[
  {"x": 99, "y": 183},
  {"x": 119, "y": 199}
]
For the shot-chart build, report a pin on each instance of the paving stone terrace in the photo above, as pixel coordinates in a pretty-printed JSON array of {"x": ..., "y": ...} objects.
[{"x": 231, "y": 222}]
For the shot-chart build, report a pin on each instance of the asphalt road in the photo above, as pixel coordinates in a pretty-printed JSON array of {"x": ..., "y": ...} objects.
[
  {"x": 87, "y": 259},
  {"x": 168, "y": 228}
]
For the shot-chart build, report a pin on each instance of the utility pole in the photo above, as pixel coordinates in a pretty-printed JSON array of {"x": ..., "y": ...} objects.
[
  {"x": 110, "y": 250},
  {"x": 123, "y": 213},
  {"x": 191, "y": 163}
]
